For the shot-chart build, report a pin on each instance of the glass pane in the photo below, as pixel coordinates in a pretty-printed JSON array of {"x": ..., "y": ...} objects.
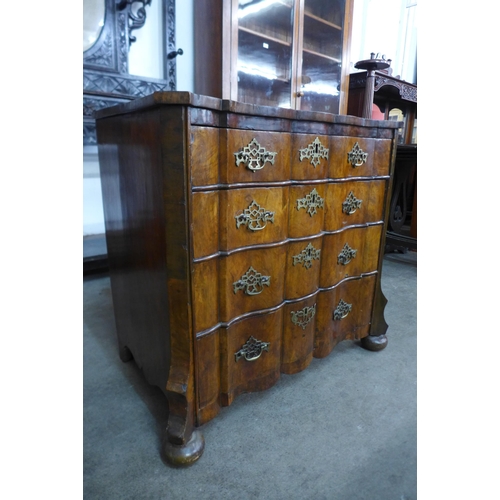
[
  {"x": 397, "y": 115},
  {"x": 414, "y": 132},
  {"x": 93, "y": 21},
  {"x": 265, "y": 32},
  {"x": 322, "y": 55}
]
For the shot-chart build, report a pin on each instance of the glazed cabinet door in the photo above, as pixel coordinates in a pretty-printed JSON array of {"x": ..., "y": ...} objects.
[
  {"x": 264, "y": 52},
  {"x": 323, "y": 48},
  {"x": 289, "y": 53},
  {"x": 284, "y": 53}
]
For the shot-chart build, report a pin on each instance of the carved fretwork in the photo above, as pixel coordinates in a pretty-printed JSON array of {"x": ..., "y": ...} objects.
[
  {"x": 254, "y": 217},
  {"x": 314, "y": 152},
  {"x": 311, "y": 202},
  {"x": 307, "y": 256},
  {"x": 252, "y": 282},
  {"x": 342, "y": 310},
  {"x": 304, "y": 316},
  {"x": 252, "y": 349},
  {"x": 346, "y": 255}
]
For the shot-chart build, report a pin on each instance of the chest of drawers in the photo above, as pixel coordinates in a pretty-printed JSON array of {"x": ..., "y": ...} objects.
[{"x": 242, "y": 241}]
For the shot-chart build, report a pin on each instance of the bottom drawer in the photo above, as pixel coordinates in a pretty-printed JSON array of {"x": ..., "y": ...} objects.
[
  {"x": 343, "y": 313},
  {"x": 250, "y": 355}
]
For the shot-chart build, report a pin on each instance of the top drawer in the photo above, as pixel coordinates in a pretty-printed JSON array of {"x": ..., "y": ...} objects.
[
  {"x": 359, "y": 157},
  {"x": 254, "y": 156}
]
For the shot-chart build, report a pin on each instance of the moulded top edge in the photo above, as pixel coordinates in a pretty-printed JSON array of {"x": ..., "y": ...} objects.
[{"x": 213, "y": 103}]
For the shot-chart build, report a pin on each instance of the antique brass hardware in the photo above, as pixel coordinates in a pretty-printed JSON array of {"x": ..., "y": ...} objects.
[
  {"x": 346, "y": 255},
  {"x": 311, "y": 202},
  {"x": 356, "y": 157},
  {"x": 314, "y": 152},
  {"x": 252, "y": 349},
  {"x": 351, "y": 204},
  {"x": 306, "y": 256},
  {"x": 342, "y": 310},
  {"x": 304, "y": 316},
  {"x": 254, "y": 217},
  {"x": 252, "y": 282},
  {"x": 254, "y": 156}
]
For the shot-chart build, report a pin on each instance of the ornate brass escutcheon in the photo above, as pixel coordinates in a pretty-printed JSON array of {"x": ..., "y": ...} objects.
[
  {"x": 342, "y": 310},
  {"x": 356, "y": 157},
  {"x": 306, "y": 256},
  {"x": 311, "y": 202},
  {"x": 254, "y": 217},
  {"x": 304, "y": 316},
  {"x": 254, "y": 156},
  {"x": 314, "y": 152},
  {"x": 351, "y": 204},
  {"x": 346, "y": 255},
  {"x": 252, "y": 349},
  {"x": 252, "y": 282}
]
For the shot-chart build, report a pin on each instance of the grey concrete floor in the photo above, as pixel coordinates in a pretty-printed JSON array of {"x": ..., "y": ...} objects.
[{"x": 343, "y": 429}]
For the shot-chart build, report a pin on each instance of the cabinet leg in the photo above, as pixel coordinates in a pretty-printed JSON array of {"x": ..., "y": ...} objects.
[
  {"x": 183, "y": 444},
  {"x": 374, "y": 343},
  {"x": 125, "y": 353},
  {"x": 182, "y": 455}
]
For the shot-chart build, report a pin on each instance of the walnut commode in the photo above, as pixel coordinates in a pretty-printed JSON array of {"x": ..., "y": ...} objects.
[{"x": 242, "y": 241}]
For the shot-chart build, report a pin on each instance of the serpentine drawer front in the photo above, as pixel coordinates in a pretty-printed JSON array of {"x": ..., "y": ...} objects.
[{"x": 243, "y": 241}]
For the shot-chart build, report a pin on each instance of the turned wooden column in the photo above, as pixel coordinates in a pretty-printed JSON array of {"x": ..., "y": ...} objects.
[{"x": 370, "y": 65}]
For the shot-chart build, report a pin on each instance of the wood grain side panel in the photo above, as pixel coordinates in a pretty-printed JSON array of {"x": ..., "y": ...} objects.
[{"x": 132, "y": 186}]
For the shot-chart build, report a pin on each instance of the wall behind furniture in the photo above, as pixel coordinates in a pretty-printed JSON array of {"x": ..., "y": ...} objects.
[{"x": 385, "y": 26}]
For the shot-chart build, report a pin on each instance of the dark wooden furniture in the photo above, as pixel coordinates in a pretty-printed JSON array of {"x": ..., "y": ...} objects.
[
  {"x": 106, "y": 78},
  {"x": 243, "y": 241},
  {"x": 287, "y": 53},
  {"x": 393, "y": 99}
]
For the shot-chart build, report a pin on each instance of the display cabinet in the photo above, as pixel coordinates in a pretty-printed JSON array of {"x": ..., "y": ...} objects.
[
  {"x": 396, "y": 100},
  {"x": 286, "y": 53}
]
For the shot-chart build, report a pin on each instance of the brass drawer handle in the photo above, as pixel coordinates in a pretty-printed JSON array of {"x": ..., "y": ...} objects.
[
  {"x": 351, "y": 204},
  {"x": 342, "y": 310},
  {"x": 356, "y": 157},
  {"x": 307, "y": 256},
  {"x": 252, "y": 349},
  {"x": 311, "y": 202},
  {"x": 314, "y": 152},
  {"x": 252, "y": 282},
  {"x": 254, "y": 156},
  {"x": 304, "y": 316},
  {"x": 254, "y": 217},
  {"x": 346, "y": 255}
]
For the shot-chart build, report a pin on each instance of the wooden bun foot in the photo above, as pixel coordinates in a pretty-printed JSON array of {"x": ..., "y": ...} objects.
[
  {"x": 187, "y": 454},
  {"x": 374, "y": 343}
]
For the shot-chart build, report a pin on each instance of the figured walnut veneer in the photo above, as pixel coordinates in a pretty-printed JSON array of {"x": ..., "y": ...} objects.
[{"x": 212, "y": 261}]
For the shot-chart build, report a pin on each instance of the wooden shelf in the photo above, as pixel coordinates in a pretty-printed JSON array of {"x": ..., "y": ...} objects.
[
  {"x": 323, "y": 56},
  {"x": 323, "y": 21},
  {"x": 265, "y": 37}
]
